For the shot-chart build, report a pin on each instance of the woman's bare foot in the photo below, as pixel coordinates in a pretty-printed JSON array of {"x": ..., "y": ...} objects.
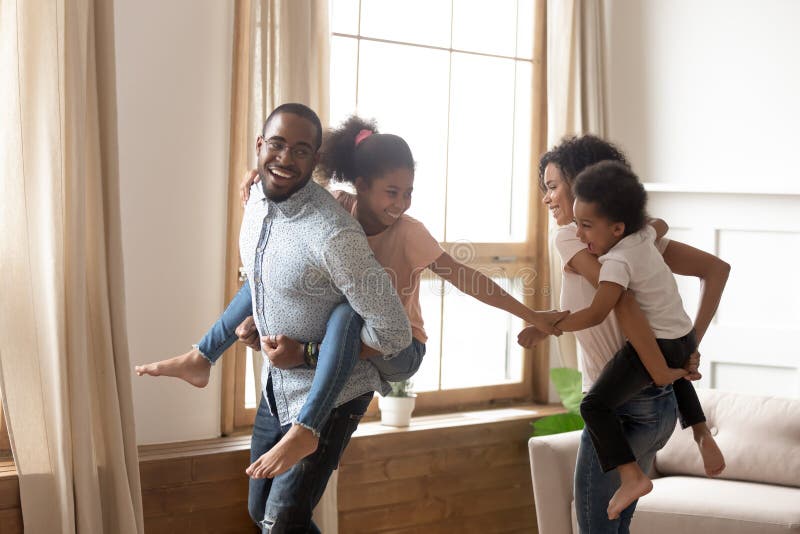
[
  {"x": 634, "y": 484},
  {"x": 298, "y": 443},
  {"x": 713, "y": 460},
  {"x": 191, "y": 367}
]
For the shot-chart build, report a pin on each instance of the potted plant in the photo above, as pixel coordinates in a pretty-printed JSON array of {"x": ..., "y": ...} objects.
[{"x": 397, "y": 405}]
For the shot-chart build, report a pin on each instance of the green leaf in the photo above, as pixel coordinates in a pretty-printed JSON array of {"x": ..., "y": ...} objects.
[
  {"x": 556, "y": 424},
  {"x": 569, "y": 386}
]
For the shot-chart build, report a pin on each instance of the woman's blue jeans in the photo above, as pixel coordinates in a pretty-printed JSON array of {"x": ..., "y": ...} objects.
[{"x": 648, "y": 420}]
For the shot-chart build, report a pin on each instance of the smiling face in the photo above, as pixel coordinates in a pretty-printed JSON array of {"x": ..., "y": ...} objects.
[
  {"x": 383, "y": 200},
  {"x": 596, "y": 231},
  {"x": 558, "y": 195},
  {"x": 287, "y": 155}
]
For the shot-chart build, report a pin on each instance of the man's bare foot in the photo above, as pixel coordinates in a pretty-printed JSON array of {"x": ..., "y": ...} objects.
[
  {"x": 713, "y": 460},
  {"x": 634, "y": 484},
  {"x": 298, "y": 443},
  {"x": 191, "y": 367}
]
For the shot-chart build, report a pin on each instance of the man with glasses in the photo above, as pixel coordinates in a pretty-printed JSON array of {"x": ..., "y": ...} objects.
[{"x": 303, "y": 255}]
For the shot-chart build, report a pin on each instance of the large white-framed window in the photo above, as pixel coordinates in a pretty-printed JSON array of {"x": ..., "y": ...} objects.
[{"x": 454, "y": 78}]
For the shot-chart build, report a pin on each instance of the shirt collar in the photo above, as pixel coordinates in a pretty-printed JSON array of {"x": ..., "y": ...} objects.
[{"x": 292, "y": 205}]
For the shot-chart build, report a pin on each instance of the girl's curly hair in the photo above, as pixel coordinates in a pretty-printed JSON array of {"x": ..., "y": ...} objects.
[{"x": 341, "y": 160}]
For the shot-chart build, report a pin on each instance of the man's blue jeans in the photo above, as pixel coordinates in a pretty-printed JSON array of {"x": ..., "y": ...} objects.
[
  {"x": 284, "y": 504},
  {"x": 648, "y": 420}
]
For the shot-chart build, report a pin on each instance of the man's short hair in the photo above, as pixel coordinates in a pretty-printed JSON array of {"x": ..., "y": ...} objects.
[{"x": 301, "y": 110}]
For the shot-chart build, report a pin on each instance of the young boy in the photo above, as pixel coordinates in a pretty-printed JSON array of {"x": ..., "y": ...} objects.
[{"x": 611, "y": 219}]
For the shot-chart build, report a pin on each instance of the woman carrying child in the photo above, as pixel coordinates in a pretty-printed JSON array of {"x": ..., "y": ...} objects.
[{"x": 645, "y": 415}]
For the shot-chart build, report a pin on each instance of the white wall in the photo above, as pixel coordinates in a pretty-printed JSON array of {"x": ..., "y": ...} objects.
[
  {"x": 706, "y": 91},
  {"x": 703, "y": 96},
  {"x": 173, "y": 90}
]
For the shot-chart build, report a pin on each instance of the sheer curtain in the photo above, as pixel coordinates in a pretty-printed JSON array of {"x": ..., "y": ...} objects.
[
  {"x": 64, "y": 366},
  {"x": 281, "y": 54},
  {"x": 575, "y": 103}
]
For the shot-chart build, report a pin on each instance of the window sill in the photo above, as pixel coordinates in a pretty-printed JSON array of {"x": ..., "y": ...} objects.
[
  {"x": 373, "y": 428},
  {"x": 424, "y": 423}
]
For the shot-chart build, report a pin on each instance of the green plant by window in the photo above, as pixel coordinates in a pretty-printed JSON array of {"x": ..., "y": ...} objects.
[
  {"x": 401, "y": 389},
  {"x": 569, "y": 386}
]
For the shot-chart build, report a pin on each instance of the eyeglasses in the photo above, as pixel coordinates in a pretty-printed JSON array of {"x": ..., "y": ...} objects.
[{"x": 298, "y": 152}]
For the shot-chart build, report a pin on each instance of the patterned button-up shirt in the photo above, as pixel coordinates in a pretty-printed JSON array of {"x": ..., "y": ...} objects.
[{"x": 303, "y": 257}]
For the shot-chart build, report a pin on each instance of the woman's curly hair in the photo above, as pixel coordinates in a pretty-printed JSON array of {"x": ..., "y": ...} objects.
[{"x": 574, "y": 154}]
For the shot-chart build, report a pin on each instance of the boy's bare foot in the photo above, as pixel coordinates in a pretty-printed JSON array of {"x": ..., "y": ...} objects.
[
  {"x": 298, "y": 443},
  {"x": 634, "y": 484},
  {"x": 191, "y": 367},
  {"x": 713, "y": 460}
]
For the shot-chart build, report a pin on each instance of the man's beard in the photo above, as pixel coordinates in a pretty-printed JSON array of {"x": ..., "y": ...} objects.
[{"x": 275, "y": 196}]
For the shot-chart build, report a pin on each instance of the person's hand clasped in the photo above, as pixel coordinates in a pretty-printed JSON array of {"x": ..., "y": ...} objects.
[
  {"x": 545, "y": 321},
  {"x": 284, "y": 352},
  {"x": 531, "y": 336},
  {"x": 248, "y": 333}
]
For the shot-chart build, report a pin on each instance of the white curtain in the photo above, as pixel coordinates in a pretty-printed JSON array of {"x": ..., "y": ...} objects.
[
  {"x": 281, "y": 54},
  {"x": 575, "y": 104},
  {"x": 64, "y": 366}
]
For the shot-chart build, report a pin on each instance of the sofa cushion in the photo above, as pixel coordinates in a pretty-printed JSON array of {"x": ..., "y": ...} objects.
[
  {"x": 692, "y": 505},
  {"x": 759, "y": 436}
]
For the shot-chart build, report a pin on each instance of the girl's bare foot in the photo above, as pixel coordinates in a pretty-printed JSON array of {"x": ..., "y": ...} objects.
[
  {"x": 298, "y": 443},
  {"x": 634, "y": 484},
  {"x": 713, "y": 460},
  {"x": 191, "y": 367}
]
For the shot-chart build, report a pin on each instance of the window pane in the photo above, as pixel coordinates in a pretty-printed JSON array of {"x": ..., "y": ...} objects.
[
  {"x": 412, "y": 21},
  {"x": 344, "y": 59},
  {"x": 479, "y": 342},
  {"x": 481, "y": 149},
  {"x": 523, "y": 179},
  {"x": 344, "y": 16},
  {"x": 250, "y": 379},
  {"x": 525, "y": 29},
  {"x": 405, "y": 89},
  {"x": 430, "y": 300},
  {"x": 489, "y": 30}
]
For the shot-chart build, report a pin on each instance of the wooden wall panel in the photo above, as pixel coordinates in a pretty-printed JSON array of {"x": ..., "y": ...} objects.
[
  {"x": 472, "y": 478},
  {"x": 192, "y": 490},
  {"x": 10, "y": 511},
  {"x": 444, "y": 474}
]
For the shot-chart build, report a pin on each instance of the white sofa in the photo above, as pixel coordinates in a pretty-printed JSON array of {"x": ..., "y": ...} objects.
[{"x": 758, "y": 493}]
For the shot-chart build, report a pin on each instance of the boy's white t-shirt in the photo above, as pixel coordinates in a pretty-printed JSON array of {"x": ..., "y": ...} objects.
[
  {"x": 599, "y": 343},
  {"x": 636, "y": 264}
]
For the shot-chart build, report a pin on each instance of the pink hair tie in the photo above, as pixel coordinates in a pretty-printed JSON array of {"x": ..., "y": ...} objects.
[{"x": 363, "y": 134}]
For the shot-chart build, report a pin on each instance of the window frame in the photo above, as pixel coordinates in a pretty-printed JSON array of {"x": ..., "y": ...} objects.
[{"x": 532, "y": 253}]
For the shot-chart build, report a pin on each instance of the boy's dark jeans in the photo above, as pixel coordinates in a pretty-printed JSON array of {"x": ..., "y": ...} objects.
[
  {"x": 284, "y": 504},
  {"x": 622, "y": 378}
]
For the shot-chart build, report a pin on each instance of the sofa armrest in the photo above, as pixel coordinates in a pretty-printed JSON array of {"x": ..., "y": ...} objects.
[{"x": 552, "y": 470}]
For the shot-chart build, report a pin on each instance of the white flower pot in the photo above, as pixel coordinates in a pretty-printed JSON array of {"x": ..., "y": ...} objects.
[{"x": 396, "y": 411}]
